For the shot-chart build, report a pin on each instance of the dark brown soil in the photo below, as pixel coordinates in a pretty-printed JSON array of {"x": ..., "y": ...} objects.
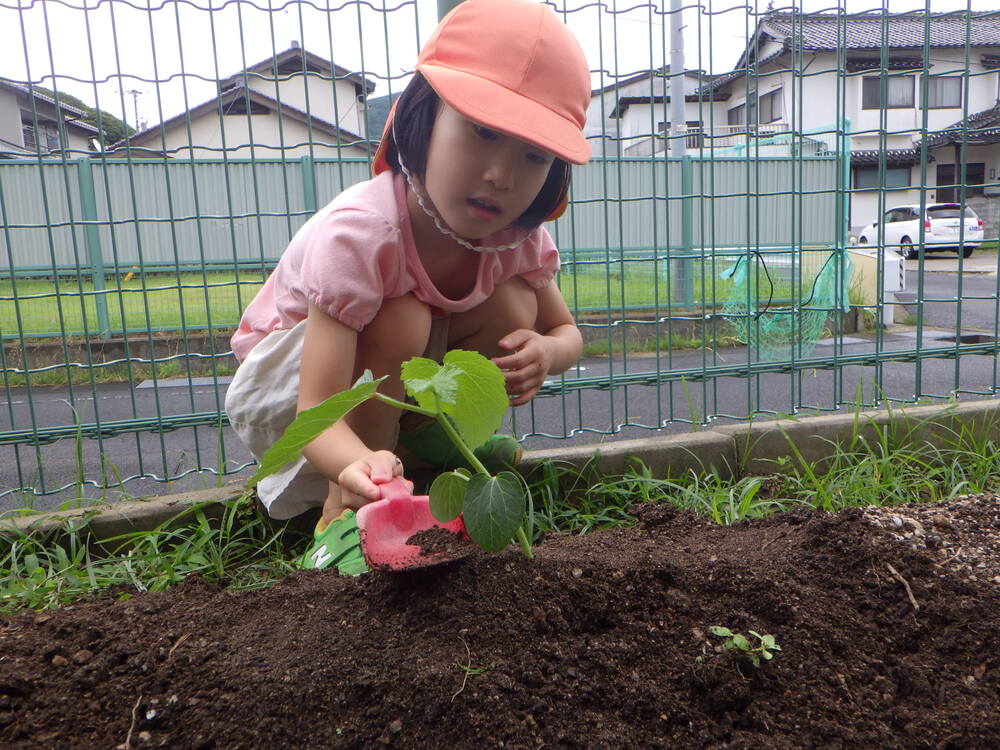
[
  {"x": 600, "y": 642},
  {"x": 441, "y": 543}
]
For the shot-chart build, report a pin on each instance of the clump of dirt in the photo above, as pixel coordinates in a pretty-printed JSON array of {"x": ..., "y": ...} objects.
[
  {"x": 441, "y": 543},
  {"x": 601, "y": 641}
]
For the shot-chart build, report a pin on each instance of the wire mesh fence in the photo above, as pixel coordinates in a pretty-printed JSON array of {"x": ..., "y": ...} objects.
[{"x": 731, "y": 251}]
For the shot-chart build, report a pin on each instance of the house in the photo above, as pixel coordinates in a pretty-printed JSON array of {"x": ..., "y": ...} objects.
[
  {"x": 915, "y": 99},
  {"x": 292, "y": 104},
  {"x": 32, "y": 124},
  {"x": 630, "y": 117},
  {"x": 804, "y": 80}
]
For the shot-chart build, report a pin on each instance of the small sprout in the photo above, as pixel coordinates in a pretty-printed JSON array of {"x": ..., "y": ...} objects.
[{"x": 765, "y": 648}]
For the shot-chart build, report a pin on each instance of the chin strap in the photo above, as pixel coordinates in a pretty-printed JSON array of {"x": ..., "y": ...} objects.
[{"x": 438, "y": 221}]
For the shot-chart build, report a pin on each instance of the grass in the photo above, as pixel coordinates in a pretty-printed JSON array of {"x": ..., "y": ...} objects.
[
  {"x": 41, "y": 307},
  {"x": 170, "y": 301},
  {"x": 242, "y": 550},
  {"x": 878, "y": 465}
]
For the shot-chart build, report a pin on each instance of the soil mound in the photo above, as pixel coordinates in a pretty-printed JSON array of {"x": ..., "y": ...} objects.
[{"x": 600, "y": 642}]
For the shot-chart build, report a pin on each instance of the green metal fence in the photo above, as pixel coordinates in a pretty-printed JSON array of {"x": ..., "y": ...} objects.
[{"x": 140, "y": 216}]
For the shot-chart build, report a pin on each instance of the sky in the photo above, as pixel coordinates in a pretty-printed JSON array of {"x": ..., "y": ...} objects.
[{"x": 147, "y": 60}]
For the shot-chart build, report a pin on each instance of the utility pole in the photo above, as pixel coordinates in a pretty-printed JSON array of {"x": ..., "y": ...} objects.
[
  {"x": 678, "y": 151},
  {"x": 678, "y": 122},
  {"x": 135, "y": 94}
]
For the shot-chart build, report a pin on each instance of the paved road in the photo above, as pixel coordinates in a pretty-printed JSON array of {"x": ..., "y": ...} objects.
[{"x": 576, "y": 418}]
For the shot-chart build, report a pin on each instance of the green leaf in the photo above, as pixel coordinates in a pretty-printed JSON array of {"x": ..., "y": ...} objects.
[
  {"x": 720, "y": 631},
  {"x": 310, "y": 423},
  {"x": 468, "y": 387},
  {"x": 767, "y": 641},
  {"x": 741, "y": 642},
  {"x": 431, "y": 385},
  {"x": 481, "y": 400},
  {"x": 448, "y": 495},
  {"x": 494, "y": 509}
]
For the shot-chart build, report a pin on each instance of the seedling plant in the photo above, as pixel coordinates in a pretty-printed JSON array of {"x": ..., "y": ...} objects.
[
  {"x": 466, "y": 395},
  {"x": 764, "y": 649}
]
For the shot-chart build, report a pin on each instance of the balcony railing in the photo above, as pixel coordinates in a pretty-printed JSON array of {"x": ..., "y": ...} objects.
[{"x": 721, "y": 136}]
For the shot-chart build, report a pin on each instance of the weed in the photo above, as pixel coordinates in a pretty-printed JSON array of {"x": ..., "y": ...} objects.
[{"x": 467, "y": 669}]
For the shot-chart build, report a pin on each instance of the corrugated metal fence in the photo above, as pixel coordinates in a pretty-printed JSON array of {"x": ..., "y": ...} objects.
[{"x": 87, "y": 214}]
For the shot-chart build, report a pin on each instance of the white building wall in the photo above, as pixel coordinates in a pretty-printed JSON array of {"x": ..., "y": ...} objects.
[
  {"x": 334, "y": 102},
  {"x": 10, "y": 118},
  {"x": 269, "y": 142}
]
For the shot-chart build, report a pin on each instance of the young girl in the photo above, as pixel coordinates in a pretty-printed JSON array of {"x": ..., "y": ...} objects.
[{"x": 442, "y": 249}]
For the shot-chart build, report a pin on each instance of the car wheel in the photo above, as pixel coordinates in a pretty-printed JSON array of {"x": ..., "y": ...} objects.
[
  {"x": 863, "y": 240},
  {"x": 906, "y": 249},
  {"x": 967, "y": 251}
]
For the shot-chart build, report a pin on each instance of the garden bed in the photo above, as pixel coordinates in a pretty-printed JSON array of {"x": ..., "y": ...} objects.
[{"x": 888, "y": 639}]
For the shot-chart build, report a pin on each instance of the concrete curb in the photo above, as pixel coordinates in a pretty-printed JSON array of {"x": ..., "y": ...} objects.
[
  {"x": 110, "y": 520},
  {"x": 732, "y": 452}
]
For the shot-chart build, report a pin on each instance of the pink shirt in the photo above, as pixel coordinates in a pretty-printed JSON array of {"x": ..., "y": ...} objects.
[{"x": 359, "y": 250}]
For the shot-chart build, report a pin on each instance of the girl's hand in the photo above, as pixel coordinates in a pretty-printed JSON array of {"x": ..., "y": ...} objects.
[
  {"x": 359, "y": 480},
  {"x": 525, "y": 370}
]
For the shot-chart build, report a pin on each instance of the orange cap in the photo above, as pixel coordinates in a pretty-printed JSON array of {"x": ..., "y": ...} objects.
[{"x": 512, "y": 66}]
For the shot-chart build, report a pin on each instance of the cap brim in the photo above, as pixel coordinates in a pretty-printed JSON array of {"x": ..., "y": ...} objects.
[{"x": 498, "y": 107}]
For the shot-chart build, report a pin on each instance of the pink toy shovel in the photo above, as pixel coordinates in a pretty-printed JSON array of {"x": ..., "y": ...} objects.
[{"x": 387, "y": 524}]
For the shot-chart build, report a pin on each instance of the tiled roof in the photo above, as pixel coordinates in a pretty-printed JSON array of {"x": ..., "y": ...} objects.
[
  {"x": 893, "y": 62},
  {"x": 300, "y": 60},
  {"x": 823, "y": 31},
  {"x": 979, "y": 128},
  {"x": 238, "y": 93},
  {"x": 894, "y": 157},
  {"x": 868, "y": 32},
  {"x": 739, "y": 72}
]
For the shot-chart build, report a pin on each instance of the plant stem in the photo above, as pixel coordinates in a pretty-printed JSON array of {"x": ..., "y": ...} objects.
[
  {"x": 525, "y": 543},
  {"x": 405, "y": 405},
  {"x": 452, "y": 433}
]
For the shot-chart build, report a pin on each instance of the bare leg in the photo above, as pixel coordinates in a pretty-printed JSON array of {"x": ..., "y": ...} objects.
[
  {"x": 399, "y": 331},
  {"x": 512, "y": 306}
]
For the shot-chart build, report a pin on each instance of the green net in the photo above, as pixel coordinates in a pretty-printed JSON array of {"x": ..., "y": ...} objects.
[{"x": 780, "y": 302}]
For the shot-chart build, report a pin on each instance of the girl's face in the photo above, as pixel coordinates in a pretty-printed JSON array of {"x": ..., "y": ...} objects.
[{"x": 478, "y": 179}]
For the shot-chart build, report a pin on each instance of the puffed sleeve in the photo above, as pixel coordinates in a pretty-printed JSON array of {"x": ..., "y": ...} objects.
[
  {"x": 539, "y": 259},
  {"x": 352, "y": 261}
]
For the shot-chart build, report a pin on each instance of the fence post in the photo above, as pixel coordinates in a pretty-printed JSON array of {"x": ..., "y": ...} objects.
[
  {"x": 92, "y": 237},
  {"x": 308, "y": 183}
]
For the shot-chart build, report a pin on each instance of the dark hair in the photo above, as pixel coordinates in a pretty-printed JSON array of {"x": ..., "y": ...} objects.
[{"x": 416, "y": 110}]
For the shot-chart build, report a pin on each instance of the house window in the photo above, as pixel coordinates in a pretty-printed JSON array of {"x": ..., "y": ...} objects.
[
  {"x": 895, "y": 178},
  {"x": 947, "y": 191},
  {"x": 898, "y": 92},
  {"x": 770, "y": 106},
  {"x": 737, "y": 115},
  {"x": 28, "y": 136},
  {"x": 944, "y": 92}
]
